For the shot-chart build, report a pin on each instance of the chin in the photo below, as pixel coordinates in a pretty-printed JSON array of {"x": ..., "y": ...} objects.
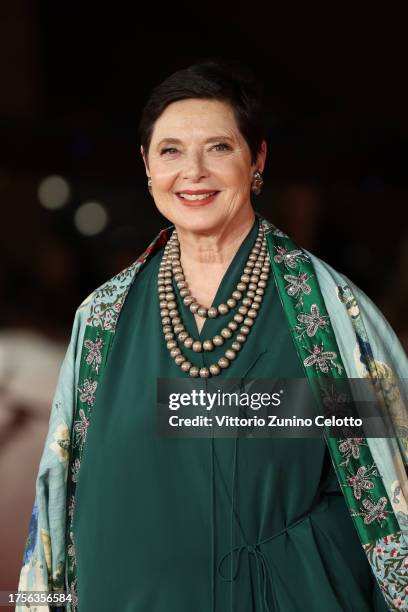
[{"x": 199, "y": 220}]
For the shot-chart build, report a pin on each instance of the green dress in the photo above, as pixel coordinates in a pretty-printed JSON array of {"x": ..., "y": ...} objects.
[{"x": 205, "y": 524}]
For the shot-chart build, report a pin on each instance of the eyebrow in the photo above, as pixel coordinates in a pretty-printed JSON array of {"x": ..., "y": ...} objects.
[{"x": 207, "y": 141}]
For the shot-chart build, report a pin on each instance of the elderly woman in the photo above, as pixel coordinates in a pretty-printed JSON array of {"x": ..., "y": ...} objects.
[{"x": 127, "y": 520}]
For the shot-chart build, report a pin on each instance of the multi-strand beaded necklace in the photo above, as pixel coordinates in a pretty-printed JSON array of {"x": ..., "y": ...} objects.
[{"x": 248, "y": 294}]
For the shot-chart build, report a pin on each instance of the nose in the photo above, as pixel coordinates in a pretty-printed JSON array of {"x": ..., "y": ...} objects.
[{"x": 194, "y": 167}]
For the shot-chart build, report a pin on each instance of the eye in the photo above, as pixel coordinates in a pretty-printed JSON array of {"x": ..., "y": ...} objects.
[
  {"x": 168, "y": 150},
  {"x": 221, "y": 146}
]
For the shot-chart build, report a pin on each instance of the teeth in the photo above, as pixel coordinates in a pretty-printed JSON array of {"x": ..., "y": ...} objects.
[{"x": 201, "y": 196}]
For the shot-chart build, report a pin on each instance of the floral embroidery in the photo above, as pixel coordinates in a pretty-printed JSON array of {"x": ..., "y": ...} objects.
[
  {"x": 389, "y": 560},
  {"x": 296, "y": 286},
  {"x": 351, "y": 448},
  {"x": 290, "y": 259},
  {"x": 73, "y": 593},
  {"x": 361, "y": 480},
  {"x": 94, "y": 357},
  {"x": 87, "y": 393},
  {"x": 336, "y": 402},
  {"x": 399, "y": 603},
  {"x": 321, "y": 359},
  {"x": 310, "y": 323},
  {"x": 81, "y": 427},
  {"x": 75, "y": 469},
  {"x": 71, "y": 506},
  {"x": 60, "y": 446},
  {"x": 373, "y": 511},
  {"x": 71, "y": 553}
]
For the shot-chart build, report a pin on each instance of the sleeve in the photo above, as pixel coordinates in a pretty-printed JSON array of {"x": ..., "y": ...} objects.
[
  {"x": 45, "y": 552},
  {"x": 389, "y": 363}
]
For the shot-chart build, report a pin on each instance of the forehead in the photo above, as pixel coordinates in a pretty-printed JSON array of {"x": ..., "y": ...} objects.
[{"x": 195, "y": 118}]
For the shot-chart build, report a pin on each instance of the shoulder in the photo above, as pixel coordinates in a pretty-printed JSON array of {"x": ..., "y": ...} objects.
[
  {"x": 338, "y": 287},
  {"x": 101, "y": 308},
  {"x": 346, "y": 300}
]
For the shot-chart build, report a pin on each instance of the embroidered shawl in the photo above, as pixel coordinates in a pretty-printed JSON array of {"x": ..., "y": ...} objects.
[{"x": 338, "y": 332}]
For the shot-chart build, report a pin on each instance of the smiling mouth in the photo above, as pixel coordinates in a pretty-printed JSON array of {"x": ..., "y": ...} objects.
[{"x": 196, "y": 197}]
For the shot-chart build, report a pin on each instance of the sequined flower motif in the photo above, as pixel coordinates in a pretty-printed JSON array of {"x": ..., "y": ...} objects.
[
  {"x": 71, "y": 506},
  {"x": 87, "y": 392},
  {"x": 399, "y": 603},
  {"x": 75, "y": 470},
  {"x": 81, "y": 427},
  {"x": 297, "y": 286},
  {"x": 361, "y": 480},
  {"x": 373, "y": 511},
  {"x": 94, "y": 356},
  {"x": 71, "y": 553},
  {"x": 310, "y": 323},
  {"x": 321, "y": 359},
  {"x": 74, "y": 597},
  {"x": 350, "y": 448},
  {"x": 290, "y": 259}
]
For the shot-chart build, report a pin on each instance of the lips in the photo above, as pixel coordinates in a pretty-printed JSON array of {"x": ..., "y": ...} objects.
[{"x": 196, "y": 197}]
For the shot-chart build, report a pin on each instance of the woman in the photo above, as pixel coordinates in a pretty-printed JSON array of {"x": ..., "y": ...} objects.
[{"x": 127, "y": 520}]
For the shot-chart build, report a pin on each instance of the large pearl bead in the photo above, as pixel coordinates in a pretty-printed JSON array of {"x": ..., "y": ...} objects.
[
  {"x": 215, "y": 369},
  {"x": 185, "y": 366},
  {"x": 197, "y": 346},
  {"x": 223, "y": 362},
  {"x": 208, "y": 345},
  {"x": 226, "y": 333},
  {"x": 218, "y": 340}
]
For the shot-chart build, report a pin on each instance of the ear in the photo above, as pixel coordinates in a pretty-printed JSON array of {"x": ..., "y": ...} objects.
[
  {"x": 144, "y": 160},
  {"x": 261, "y": 157}
]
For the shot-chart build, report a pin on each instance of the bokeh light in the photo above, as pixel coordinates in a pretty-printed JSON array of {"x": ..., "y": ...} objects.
[
  {"x": 54, "y": 192},
  {"x": 91, "y": 218}
]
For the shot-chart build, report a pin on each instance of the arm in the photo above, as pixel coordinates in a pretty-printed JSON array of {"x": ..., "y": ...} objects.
[{"x": 45, "y": 551}]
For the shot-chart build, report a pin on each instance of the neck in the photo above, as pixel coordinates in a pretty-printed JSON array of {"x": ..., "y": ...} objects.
[{"x": 217, "y": 246}]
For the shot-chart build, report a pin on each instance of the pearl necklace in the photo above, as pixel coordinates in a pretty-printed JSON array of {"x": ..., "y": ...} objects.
[{"x": 253, "y": 282}]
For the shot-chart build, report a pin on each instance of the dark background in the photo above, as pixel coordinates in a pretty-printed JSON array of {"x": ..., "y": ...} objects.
[{"x": 74, "y": 76}]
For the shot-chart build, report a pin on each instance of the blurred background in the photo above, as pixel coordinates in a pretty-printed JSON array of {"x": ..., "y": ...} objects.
[{"x": 74, "y": 204}]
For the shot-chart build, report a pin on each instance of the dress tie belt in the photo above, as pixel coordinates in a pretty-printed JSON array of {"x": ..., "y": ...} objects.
[{"x": 263, "y": 570}]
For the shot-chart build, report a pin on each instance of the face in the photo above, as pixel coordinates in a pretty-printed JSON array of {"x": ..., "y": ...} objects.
[{"x": 200, "y": 165}]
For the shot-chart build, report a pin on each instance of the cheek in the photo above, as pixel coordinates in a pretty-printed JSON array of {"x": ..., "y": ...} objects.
[
  {"x": 163, "y": 178},
  {"x": 237, "y": 176}
]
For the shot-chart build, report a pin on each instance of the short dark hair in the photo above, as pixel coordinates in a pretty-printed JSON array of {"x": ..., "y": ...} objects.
[{"x": 217, "y": 80}]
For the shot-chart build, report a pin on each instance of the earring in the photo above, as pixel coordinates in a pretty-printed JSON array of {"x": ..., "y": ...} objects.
[
  {"x": 149, "y": 185},
  {"x": 257, "y": 183}
]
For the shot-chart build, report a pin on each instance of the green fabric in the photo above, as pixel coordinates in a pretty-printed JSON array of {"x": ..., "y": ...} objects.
[
  {"x": 320, "y": 355},
  {"x": 152, "y": 523}
]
